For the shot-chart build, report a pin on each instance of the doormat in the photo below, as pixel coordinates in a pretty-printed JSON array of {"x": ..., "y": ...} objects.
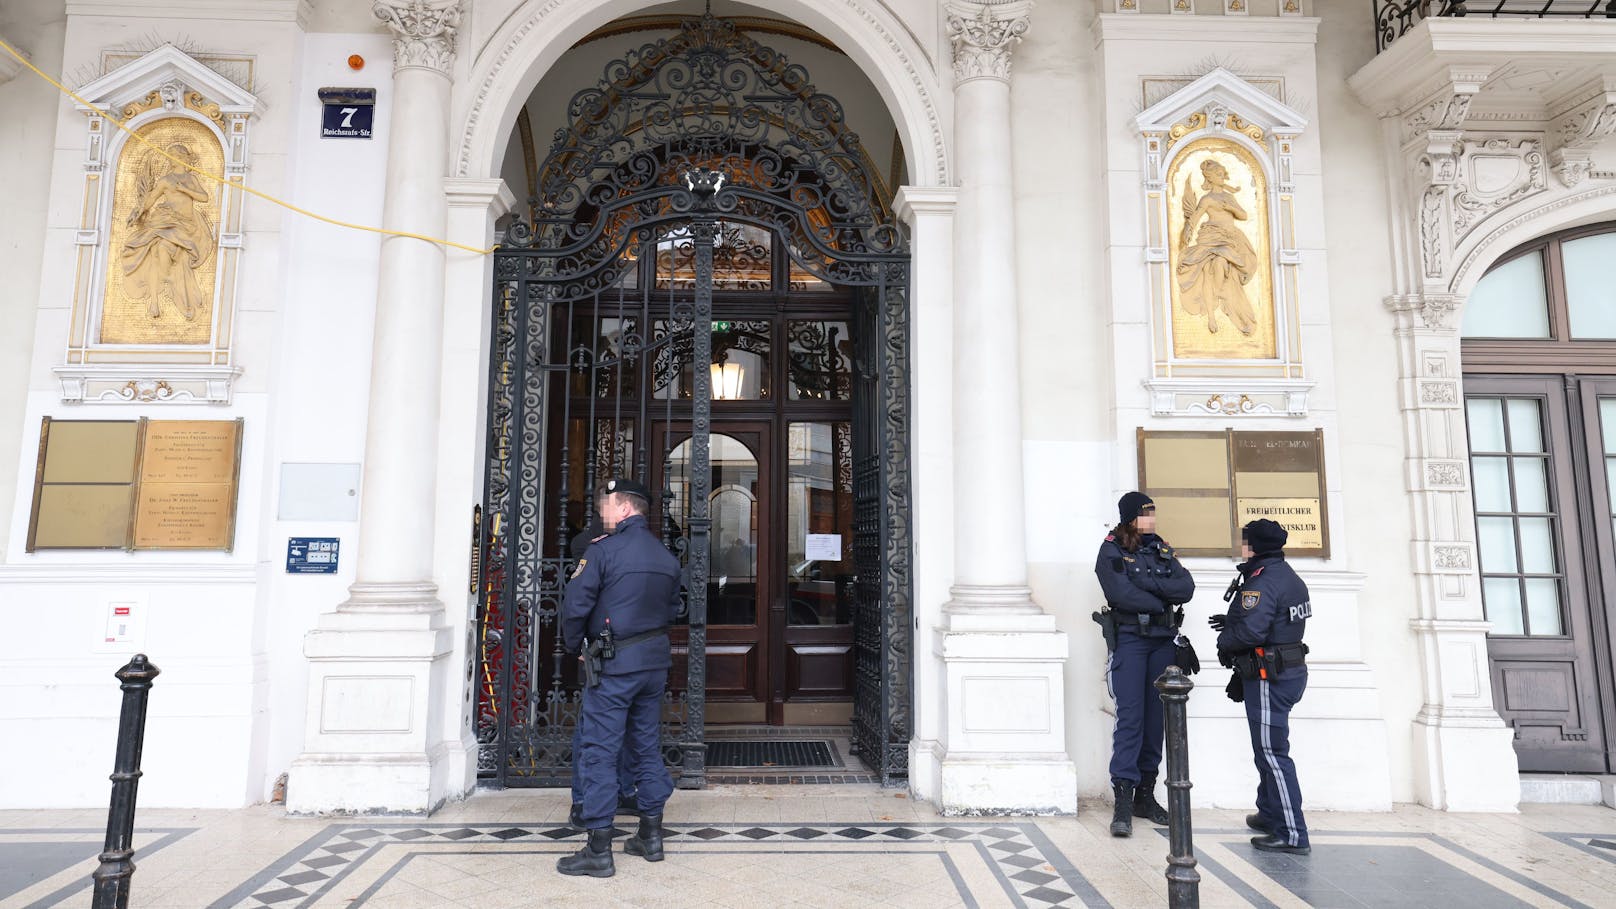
[{"x": 770, "y": 754}]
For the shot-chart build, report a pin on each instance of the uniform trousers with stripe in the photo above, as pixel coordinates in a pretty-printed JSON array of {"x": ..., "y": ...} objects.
[{"x": 1268, "y": 714}]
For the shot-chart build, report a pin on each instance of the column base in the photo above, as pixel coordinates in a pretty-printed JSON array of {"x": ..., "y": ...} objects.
[
  {"x": 1465, "y": 761},
  {"x": 376, "y": 739},
  {"x": 340, "y": 784},
  {"x": 1004, "y": 745},
  {"x": 990, "y": 600}
]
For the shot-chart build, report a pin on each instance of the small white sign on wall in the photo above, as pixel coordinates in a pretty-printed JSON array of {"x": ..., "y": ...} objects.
[
  {"x": 123, "y": 627},
  {"x": 319, "y": 492}
]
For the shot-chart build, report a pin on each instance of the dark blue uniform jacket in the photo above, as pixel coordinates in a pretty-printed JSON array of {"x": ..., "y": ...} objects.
[
  {"x": 1272, "y": 607},
  {"x": 633, "y": 580},
  {"x": 1147, "y": 582}
]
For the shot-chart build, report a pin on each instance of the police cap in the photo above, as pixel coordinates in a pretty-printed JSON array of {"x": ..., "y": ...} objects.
[
  {"x": 627, "y": 487},
  {"x": 1264, "y": 536}
]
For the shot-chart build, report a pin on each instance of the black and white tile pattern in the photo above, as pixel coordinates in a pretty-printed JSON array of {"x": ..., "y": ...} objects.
[{"x": 1028, "y": 866}]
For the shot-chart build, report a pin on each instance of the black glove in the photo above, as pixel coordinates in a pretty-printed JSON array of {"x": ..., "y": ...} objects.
[
  {"x": 1217, "y": 622},
  {"x": 1236, "y": 689},
  {"x": 1226, "y": 658}
]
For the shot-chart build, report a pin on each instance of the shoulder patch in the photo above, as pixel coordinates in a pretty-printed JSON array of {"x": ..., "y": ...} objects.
[
  {"x": 580, "y": 569},
  {"x": 1110, "y": 538},
  {"x": 1166, "y": 551},
  {"x": 1250, "y": 598},
  {"x": 1257, "y": 573}
]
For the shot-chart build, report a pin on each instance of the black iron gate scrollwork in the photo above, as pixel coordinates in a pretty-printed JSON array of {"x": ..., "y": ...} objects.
[{"x": 685, "y": 137}]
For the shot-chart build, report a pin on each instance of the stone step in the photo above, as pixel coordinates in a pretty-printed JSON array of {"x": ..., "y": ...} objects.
[{"x": 1568, "y": 789}]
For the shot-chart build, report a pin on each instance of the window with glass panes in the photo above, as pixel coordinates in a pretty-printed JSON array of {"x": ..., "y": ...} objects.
[{"x": 1516, "y": 530}]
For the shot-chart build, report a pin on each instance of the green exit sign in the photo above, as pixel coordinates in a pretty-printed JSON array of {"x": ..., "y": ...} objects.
[{"x": 723, "y": 326}]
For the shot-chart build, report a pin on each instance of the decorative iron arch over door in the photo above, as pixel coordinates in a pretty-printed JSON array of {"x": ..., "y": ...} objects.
[{"x": 683, "y": 138}]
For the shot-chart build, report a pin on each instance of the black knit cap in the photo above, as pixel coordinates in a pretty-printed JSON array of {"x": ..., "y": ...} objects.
[
  {"x": 1264, "y": 536},
  {"x": 627, "y": 487},
  {"x": 1130, "y": 505}
]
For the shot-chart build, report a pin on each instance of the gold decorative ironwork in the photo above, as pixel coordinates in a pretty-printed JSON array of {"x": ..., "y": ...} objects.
[
  {"x": 1219, "y": 254},
  {"x": 162, "y": 252}
]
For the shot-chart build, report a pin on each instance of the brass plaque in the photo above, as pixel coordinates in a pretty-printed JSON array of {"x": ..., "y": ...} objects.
[
  {"x": 187, "y": 493},
  {"x": 1303, "y": 519},
  {"x": 83, "y": 484},
  {"x": 1194, "y": 524},
  {"x": 1192, "y": 462},
  {"x": 80, "y": 516},
  {"x": 1274, "y": 475}
]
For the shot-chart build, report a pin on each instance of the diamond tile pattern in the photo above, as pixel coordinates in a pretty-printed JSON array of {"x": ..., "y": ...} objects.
[{"x": 1021, "y": 863}]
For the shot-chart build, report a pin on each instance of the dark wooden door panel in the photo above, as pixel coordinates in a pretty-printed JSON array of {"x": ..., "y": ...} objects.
[{"x": 819, "y": 671}]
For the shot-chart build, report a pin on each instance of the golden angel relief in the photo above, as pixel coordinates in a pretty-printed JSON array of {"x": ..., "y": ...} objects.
[
  {"x": 1223, "y": 301},
  {"x": 163, "y": 257}
]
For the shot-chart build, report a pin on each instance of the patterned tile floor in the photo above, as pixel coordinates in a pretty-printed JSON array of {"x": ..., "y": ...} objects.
[{"x": 850, "y": 845}]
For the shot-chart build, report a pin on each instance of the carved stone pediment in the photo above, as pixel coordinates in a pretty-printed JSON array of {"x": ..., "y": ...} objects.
[{"x": 169, "y": 72}]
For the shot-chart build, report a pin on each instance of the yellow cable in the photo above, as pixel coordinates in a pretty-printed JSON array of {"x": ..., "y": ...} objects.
[{"x": 219, "y": 179}]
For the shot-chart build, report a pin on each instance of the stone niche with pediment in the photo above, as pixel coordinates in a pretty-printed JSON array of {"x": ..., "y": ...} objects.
[
  {"x": 159, "y": 236},
  {"x": 1221, "y": 250}
]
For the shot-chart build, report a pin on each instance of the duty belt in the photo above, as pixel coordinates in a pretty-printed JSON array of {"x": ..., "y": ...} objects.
[
  {"x": 1261, "y": 662},
  {"x": 643, "y": 636}
]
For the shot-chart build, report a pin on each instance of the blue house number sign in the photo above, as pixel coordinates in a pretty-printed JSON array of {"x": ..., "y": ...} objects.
[
  {"x": 347, "y": 113},
  {"x": 311, "y": 555}
]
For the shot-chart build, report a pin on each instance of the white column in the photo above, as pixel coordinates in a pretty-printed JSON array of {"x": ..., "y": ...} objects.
[
  {"x": 375, "y": 738},
  {"x": 1002, "y": 724}
]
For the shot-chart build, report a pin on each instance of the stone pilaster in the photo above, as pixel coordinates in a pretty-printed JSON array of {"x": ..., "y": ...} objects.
[
  {"x": 1463, "y": 753},
  {"x": 376, "y": 738}
]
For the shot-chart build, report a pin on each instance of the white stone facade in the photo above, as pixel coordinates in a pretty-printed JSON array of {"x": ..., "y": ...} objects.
[{"x": 1026, "y": 134}]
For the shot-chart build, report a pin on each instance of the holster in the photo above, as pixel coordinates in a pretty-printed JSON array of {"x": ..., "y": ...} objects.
[
  {"x": 592, "y": 663},
  {"x": 1107, "y": 620}
]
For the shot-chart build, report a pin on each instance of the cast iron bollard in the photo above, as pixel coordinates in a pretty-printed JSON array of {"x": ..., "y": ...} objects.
[
  {"x": 1183, "y": 881},
  {"x": 117, "y": 869}
]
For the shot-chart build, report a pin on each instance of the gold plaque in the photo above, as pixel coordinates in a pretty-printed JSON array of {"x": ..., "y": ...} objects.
[
  {"x": 1218, "y": 254},
  {"x": 1273, "y": 475},
  {"x": 162, "y": 257},
  {"x": 187, "y": 493},
  {"x": 1303, "y": 520},
  {"x": 83, "y": 484}
]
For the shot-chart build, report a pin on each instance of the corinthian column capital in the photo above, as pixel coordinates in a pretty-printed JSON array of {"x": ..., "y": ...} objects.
[
  {"x": 423, "y": 31},
  {"x": 983, "y": 34}
]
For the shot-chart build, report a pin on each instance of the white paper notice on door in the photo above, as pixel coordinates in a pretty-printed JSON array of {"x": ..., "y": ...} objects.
[{"x": 824, "y": 547}]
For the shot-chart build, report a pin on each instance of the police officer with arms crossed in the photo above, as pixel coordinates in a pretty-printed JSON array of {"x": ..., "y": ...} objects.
[
  {"x": 1261, "y": 637},
  {"x": 1144, "y": 584},
  {"x": 619, "y": 604}
]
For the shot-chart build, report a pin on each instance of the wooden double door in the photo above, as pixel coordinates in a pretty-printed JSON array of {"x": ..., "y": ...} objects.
[{"x": 780, "y": 595}]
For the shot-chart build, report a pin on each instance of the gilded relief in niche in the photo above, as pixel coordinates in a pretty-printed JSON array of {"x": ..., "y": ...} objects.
[
  {"x": 1222, "y": 283},
  {"x": 162, "y": 256}
]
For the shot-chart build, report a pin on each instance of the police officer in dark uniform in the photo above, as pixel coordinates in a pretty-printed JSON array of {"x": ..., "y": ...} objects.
[
  {"x": 1144, "y": 585},
  {"x": 619, "y": 604},
  {"x": 1261, "y": 637},
  {"x": 593, "y": 533}
]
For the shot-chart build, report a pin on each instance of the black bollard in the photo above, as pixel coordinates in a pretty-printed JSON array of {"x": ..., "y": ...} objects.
[
  {"x": 117, "y": 870},
  {"x": 1183, "y": 881}
]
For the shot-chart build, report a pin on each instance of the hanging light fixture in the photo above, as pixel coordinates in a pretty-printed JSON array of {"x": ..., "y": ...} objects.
[{"x": 727, "y": 378}]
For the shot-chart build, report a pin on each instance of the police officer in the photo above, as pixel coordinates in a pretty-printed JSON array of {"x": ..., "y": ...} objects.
[
  {"x": 1261, "y": 637},
  {"x": 1144, "y": 584},
  {"x": 593, "y": 533},
  {"x": 626, "y": 592}
]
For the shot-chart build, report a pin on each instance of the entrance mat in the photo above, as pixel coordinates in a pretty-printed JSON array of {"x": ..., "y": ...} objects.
[{"x": 770, "y": 754}]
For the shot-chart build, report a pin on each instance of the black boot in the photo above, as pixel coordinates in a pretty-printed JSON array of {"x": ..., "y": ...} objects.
[
  {"x": 594, "y": 859},
  {"x": 1121, "y": 807},
  {"x": 648, "y": 841},
  {"x": 1145, "y": 804}
]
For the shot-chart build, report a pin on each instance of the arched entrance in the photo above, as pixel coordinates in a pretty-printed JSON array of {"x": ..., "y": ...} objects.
[{"x": 706, "y": 213}]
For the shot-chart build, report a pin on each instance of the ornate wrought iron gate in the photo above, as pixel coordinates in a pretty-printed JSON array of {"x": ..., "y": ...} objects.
[{"x": 589, "y": 345}]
